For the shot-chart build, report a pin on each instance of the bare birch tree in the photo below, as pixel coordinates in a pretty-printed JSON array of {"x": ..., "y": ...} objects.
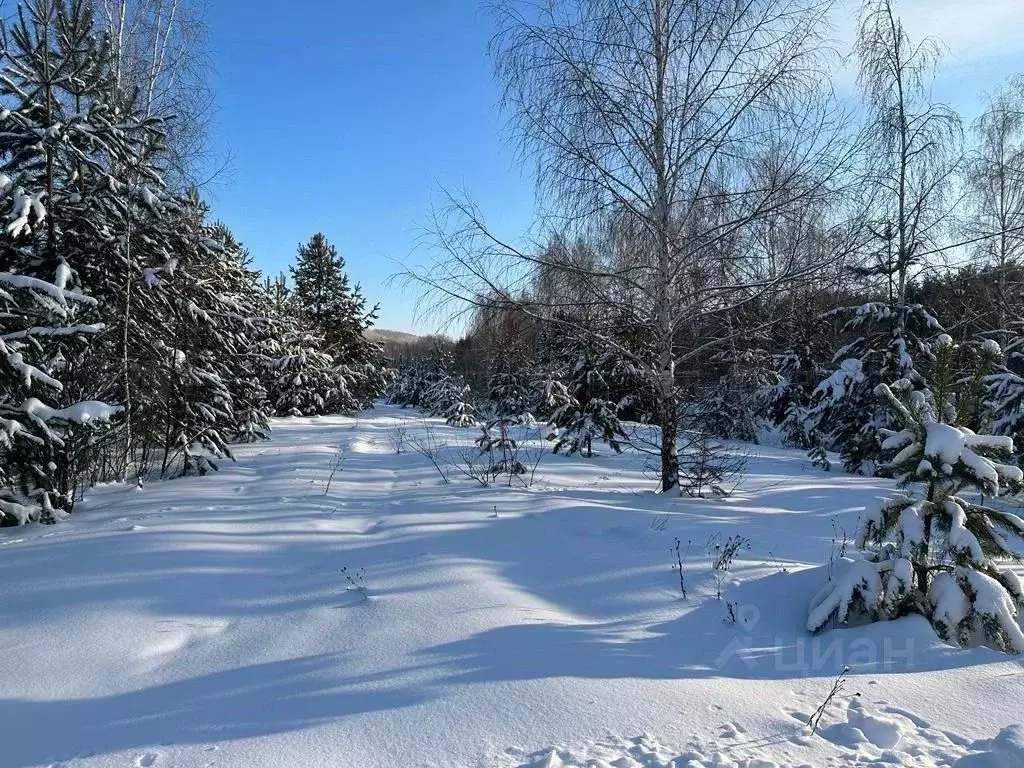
[
  {"x": 914, "y": 147},
  {"x": 158, "y": 68},
  {"x": 995, "y": 185},
  {"x": 667, "y": 128},
  {"x": 159, "y": 62}
]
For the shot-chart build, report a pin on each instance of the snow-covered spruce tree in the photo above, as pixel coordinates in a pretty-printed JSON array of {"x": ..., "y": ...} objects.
[
  {"x": 277, "y": 294},
  {"x": 509, "y": 401},
  {"x": 225, "y": 400},
  {"x": 586, "y": 412},
  {"x": 336, "y": 311},
  {"x": 890, "y": 343},
  {"x": 65, "y": 155},
  {"x": 937, "y": 553}
]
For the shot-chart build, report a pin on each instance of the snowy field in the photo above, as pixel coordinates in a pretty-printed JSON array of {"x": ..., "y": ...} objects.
[{"x": 326, "y": 602}]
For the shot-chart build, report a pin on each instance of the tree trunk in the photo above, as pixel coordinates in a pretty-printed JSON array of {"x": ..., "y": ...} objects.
[
  {"x": 669, "y": 433},
  {"x": 666, "y": 405}
]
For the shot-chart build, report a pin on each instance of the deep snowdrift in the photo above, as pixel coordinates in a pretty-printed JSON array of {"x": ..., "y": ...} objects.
[{"x": 209, "y": 622}]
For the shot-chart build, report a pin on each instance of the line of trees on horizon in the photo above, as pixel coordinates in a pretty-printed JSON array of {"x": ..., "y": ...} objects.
[{"x": 724, "y": 241}]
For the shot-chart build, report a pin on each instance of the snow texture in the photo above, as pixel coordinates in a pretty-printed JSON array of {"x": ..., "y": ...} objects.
[{"x": 206, "y": 623}]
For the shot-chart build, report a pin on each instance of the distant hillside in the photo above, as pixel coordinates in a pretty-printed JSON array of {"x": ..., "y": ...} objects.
[
  {"x": 395, "y": 337},
  {"x": 399, "y": 345}
]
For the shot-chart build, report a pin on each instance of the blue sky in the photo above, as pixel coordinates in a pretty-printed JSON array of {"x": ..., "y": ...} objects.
[{"x": 347, "y": 116}]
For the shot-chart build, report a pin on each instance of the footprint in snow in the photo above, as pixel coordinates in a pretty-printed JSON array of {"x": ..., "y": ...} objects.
[
  {"x": 731, "y": 731},
  {"x": 802, "y": 717},
  {"x": 146, "y": 760}
]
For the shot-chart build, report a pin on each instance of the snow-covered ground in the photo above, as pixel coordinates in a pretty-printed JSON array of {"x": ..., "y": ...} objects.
[{"x": 209, "y": 622}]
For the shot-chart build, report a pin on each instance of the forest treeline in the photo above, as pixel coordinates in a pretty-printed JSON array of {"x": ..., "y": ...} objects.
[
  {"x": 136, "y": 338},
  {"x": 726, "y": 244},
  {"x": 727, "y": 248}
]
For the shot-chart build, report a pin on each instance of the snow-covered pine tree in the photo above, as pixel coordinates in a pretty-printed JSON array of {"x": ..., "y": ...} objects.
[
  {"x": 172, "y": 294},
  {"x": 425, "y": 381},
  {"x": 1002, "y": 407},
  {"x": 460, "y": 411},
  {"x": 789, "y": 396},
  {"x": 802, "y": 360},
  {"x": 321, "y": 287},
  {"x": 440, "y": 392},
  {"x": 937, "y": 553},
  {"x": 305, "y": 381},
  {"x": 733, "y": 408},
  {"x": 238, "y": 335},
  {"x": 707, "y": 467},
  {"x": 509, "y": 397},
  {"x": 277, "y": 294},
  {"x": 407, "y": 388},
  {"x": 302, "y": 379},
  {"x": 34, "y": 483},
  {"x": 890, "y": 343},
  {"x": 585, "y": 411},
  {"x": 912, "y": 162},
  {"x": 551, "y": 397},
  {"x": 509, "y": 401},
  {"x": 63, "y": 146},
  {"x": 200, "y": 334},
  {"x": 336, "y": 311},
  {"x": 319, "y": 364}
]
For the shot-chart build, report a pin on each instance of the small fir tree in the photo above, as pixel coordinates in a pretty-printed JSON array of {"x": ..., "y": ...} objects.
[
  {"x": 937, "y": 553},
  {"x": 585, "y": 412},
  {"x": 890, "y": 343},
  {"x": 334, "y": 310}
]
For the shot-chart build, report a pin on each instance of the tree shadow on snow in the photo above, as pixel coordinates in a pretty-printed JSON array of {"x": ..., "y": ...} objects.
[
  {"x": 239, "y": 703},
  {"x": 593, "y": 558},
  {"x": 754, "y": 632}
]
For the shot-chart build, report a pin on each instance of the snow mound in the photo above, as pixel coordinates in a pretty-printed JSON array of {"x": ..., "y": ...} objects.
[
  {"x": 1004, "y": 751},
  {"x": 864, "y": 728},
  {"x": 894, "y": 738},
  {"x": 642, "y": 752}
]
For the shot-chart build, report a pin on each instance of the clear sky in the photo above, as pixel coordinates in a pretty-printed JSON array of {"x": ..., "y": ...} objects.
[{"x": 347, "y": 116}]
